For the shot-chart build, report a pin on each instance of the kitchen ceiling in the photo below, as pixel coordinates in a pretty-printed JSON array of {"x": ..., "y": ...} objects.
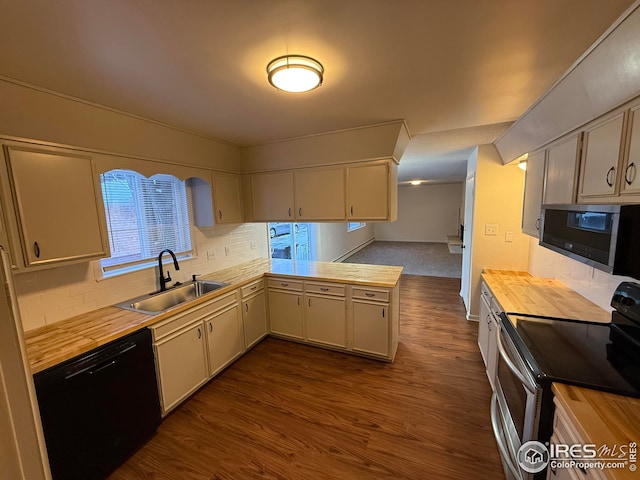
[{"x": 458, "y": 71}]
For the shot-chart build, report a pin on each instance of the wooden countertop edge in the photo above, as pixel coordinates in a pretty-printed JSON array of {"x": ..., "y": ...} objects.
[
  {"x": 601, "y": 418},
  {"x": 132, "y": 321}
]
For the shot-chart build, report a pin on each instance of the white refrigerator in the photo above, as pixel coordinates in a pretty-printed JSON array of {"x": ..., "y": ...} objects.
[{"x": 22, "y": 449}]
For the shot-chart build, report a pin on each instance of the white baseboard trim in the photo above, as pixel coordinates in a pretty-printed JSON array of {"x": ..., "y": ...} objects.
[
  {"x": 354, "y": 250},
  {"x": 473, "y": 318}
]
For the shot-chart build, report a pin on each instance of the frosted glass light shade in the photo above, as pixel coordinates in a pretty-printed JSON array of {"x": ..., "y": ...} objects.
[{"x": 295, "y": 73}]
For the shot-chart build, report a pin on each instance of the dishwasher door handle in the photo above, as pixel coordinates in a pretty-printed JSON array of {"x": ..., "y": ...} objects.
[{"x": 91, "y": 369}]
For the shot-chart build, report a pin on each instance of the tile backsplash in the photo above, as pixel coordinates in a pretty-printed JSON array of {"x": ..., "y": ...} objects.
[
  {"x": 48, "y": 296},
  {"x": 589, "y": 282}
]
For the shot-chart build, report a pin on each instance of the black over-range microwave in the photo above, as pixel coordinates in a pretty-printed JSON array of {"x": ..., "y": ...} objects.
[{"x": 606, "y": 237}]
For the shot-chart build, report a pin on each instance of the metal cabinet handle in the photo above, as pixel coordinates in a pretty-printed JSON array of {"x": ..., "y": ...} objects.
[
  {"x": 351, "y": 210},
  {"x": 324, "y": 289},
  {"x": 300, "y": 211},
  {"x": 199, "y": 333},
  {"x": 210, "y": 327},
  {"x": 609, "y": 172},
  {"x": 254, "y": 287},
  {"x": 298, "y": 301},
  {"x": 383, "y": 312},
  {"x": 282, "y": 284},
  {"x": 370, "y": 294},
  {"x": 246, "y": 307},
  {"x": 36, "y": 249},
  {"x": 632, "y": 167},
  {"x": 309, "y": 300},
  {"x": 220, "y": 214},
  {"x": 538, "y": 224},
  {"x": 289, "y": 211},
  {"x": 504, "y": 453}
]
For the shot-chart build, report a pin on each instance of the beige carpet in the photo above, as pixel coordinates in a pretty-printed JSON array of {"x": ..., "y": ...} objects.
[{"x": 429, "y": 259}]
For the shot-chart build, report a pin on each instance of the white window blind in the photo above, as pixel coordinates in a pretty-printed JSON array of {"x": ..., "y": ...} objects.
[{"x": 144, "y": 216}]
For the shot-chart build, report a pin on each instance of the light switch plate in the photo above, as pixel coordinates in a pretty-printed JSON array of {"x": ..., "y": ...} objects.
[{"x": 508, "y": 236}]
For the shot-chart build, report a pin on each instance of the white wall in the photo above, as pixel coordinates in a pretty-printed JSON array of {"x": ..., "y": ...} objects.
[
  {"x": 334, "y": 243},
  {"x": 498, "y": 200},
  {"x": 426, "y": 213},
  {"x": 590, "y": 282}
]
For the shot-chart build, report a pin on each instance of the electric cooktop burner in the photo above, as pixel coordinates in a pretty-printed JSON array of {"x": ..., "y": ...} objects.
[{"x": 594, "y": 355}]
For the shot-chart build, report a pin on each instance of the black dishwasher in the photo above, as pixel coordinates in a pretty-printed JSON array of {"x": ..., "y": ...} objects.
[{"x": 98, "y": 408}]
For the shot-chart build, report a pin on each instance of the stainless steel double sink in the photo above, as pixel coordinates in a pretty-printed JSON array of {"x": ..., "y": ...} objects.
[{"x": 159, "y": 302}]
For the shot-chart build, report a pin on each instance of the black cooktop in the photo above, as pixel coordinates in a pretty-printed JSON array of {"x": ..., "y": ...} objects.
[{"x": 593, "y": 355}]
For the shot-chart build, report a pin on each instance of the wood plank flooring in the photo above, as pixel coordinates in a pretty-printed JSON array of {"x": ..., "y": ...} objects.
[{"x": 290, "y": 411}]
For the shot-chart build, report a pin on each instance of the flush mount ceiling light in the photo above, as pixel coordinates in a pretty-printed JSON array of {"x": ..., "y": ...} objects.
[
  {"x": 415, "y": 182},
  {"x": 295, "y": 73}
]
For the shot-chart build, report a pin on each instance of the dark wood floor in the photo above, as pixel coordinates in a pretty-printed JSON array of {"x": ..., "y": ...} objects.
[{"x": 289, "y": 411}]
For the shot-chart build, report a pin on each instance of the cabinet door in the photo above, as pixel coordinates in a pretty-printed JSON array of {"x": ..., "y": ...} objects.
[
  {"x": 181, "y": 361},
  {"x": 492, "y": 349},
  {"x": 371, "y": 328},
  {"x": 320, "y": 194},
  {"x": 272, "y": 195},
  {"x": 254, "y": 315},
  {"x": 285, "y": 314},
  {"x": 631, "y": 179},
  {"x": 57, "y": 205},
  {"x": 368, "y": 191},
  {"x": 227, "y": 197},
  {"x": 483, "y": 328},
  {"x": 224, "y": 338},
  {"x": 533, "y": 194},
  {"x": 600, "y": 156},
  {"x": 326, "y": 320},
  {"x": 561, "y": 168}
]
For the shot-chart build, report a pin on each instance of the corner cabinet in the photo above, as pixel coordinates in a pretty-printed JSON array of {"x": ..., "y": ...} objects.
[
  {"x": 57, "y": 203},
  {"x": 227, "y": 198},
  {"x": 272, "y": 197}
]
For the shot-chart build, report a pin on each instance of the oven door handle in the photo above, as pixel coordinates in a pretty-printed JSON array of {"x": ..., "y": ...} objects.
[
  {"x": 505, "y": 356},
  {"x": 495, "y": 425}
]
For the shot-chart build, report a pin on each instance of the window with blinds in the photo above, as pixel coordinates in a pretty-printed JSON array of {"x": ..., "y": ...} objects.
[{"x": 144, "y": 216}]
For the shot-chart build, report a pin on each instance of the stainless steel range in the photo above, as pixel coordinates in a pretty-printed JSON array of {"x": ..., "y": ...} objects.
[{"x": 536, "y": 351}]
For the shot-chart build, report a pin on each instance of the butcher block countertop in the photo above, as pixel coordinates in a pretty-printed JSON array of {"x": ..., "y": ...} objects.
[
  {"x": 53, "y": 344},
  {"x": 521, "y": 292},
  {"x": 602, "y": 419}
]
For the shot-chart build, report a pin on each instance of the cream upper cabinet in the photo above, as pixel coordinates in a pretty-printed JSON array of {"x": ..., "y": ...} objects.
[
  {"x": 560, "y": 171},
  {"x": 320, "y": 194},
  {"x": 58, "y": 205},
  {"x": 630, "y": 178},
  {"x": 227, "y": 198},
  {"x": 272, "y": 197},
  {"x": 533, "y": 194},
  {"x": 368, "y": 190},
  {"x": 600, "y": 159}
]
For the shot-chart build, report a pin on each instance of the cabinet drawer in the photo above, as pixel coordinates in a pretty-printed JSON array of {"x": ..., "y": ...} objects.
[
  {"x": 178, "y": 321},
  {"x": 252, "y": 287},
  {"x": 370, "y": 294},
  {"x": 325, "y": 288},
  {"x": 285, "y": 284}
]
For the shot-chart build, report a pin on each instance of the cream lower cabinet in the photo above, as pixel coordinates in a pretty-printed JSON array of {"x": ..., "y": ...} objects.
[
  {"x": 285, "y": 308},
  {"x": 488, "y": 325},
  {"x": 371, "y": 328},
  {"x": 225, "y": 338},
  {"x": 194, "y": 345},
  {"x": 181, "y": 364},
  {"x": 325, "y": 314},
  {"x": 254, "y": 313}
]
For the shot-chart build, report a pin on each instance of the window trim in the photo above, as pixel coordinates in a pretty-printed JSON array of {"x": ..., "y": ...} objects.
[{"x": 358, "y": 226}]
